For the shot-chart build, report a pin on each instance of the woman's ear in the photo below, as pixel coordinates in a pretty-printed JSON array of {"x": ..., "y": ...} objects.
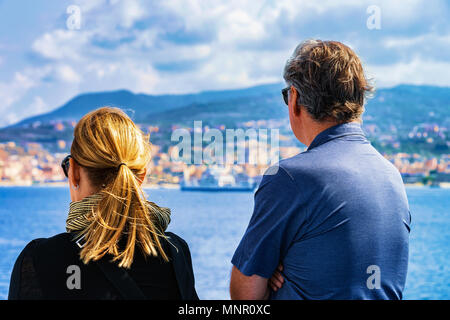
[
  {"x": 74, "y": 172},
  {"x": 142, "y": 176}
]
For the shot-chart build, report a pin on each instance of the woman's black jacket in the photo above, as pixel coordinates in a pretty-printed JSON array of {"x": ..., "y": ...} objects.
[{"x": 51, "y": 269}]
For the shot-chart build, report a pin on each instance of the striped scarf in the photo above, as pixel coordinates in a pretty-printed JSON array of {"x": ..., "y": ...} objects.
[{"x": 81, "y": 212}]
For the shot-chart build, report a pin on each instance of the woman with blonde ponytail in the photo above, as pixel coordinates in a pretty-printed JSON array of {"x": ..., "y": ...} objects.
[{"x": 115, "y": 246}]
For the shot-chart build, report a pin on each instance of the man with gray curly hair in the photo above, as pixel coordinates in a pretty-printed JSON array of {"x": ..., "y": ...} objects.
[{"x": 332, "y": 222}]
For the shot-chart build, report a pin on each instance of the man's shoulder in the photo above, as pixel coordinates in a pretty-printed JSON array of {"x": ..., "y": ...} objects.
[
  {"x": 289, "y": 168},
  {"x": 283, "y": 174},
  {"x": 299, "y": 162},
  {"x": 312, "y": 164}
]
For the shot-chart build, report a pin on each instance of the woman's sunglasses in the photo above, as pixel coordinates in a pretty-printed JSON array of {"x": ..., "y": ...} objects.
[{"x": 65, "y": 165}]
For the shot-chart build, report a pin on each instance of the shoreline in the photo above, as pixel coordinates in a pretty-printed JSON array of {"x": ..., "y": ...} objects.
[
  {"x": 64, "y": 184},
  {"x": 443, "y": 185}
]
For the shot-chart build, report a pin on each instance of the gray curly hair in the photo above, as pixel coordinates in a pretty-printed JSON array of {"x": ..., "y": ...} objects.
[{"x": 330, "y": 80}]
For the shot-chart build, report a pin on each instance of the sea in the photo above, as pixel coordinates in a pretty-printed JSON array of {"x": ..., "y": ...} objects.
[{"x": 212, "y": 223}]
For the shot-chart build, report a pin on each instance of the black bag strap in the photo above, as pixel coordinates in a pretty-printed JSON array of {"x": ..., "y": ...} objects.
[
  {"x": 119, "y": 277},
  {"x": 128, "y": 288}
]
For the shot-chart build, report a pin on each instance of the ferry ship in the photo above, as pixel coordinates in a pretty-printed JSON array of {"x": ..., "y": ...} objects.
[
  {"x": 216, "y": 187},
  {"x": 217, "y": 180}
]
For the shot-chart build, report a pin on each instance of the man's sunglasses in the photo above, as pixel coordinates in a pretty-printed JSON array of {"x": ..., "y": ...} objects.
[
  {"x": 65, "y": 165},
  {"x": 285, "y": 93}
]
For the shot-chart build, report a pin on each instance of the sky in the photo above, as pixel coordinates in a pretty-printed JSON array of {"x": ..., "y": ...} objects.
[{"x": 50, "y": 53}]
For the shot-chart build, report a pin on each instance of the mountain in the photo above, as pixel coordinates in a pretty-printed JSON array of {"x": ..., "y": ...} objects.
[
  {"x": 393, "y": 112},
  {"x": 142, "y": 105},
  {"x": 403, "y": 106},
  {"x": 410, "y": 105}
]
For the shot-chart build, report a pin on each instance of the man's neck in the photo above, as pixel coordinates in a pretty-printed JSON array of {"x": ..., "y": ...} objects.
[{"x": 315, "y": 128}]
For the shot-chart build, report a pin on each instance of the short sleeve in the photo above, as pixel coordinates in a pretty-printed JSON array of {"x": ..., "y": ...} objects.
[{"x": 277, "y": 217}]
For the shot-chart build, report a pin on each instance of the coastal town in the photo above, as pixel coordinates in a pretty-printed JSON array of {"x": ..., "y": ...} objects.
[{"x": 30, "y": 163}]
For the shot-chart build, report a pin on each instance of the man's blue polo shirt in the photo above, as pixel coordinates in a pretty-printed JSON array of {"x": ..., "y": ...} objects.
[{"x": 336, "y": 217}]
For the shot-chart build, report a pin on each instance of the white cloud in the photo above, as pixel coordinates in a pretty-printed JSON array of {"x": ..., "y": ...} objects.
[
  {"x": 239, "y": 22},
  {"x": 38, "y": 105},
  {"x": 11, "y": 92},
  {"x": 403, "y": 11},
  {"x": 405, "y": 42},
  {"x": 181, "y": 46},
  {"x": 67, "y": 74},
  {"x": 90, "y": 5},
  {"x": 61, "y": 44},
  {"x": 131, "y": 11},
  {"x": 417, "y": 71}
]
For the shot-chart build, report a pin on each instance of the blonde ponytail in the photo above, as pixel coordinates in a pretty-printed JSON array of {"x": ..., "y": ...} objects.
[{"x": 115, "y": 153}]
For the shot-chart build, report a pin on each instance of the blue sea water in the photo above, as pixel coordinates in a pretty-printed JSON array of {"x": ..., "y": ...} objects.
[{"x": 213, "y": 223}]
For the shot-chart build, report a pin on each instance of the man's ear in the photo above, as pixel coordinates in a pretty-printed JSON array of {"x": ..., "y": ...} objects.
[{"x": 293, "y": 100}]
